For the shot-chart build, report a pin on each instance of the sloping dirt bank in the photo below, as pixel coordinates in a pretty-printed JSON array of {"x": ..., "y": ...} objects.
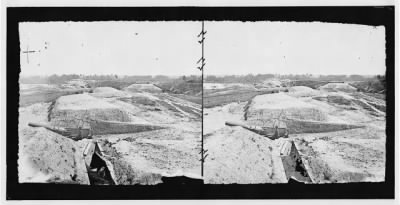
[
  {"x": 69, "y": 111},
  {"x": 45, "y": 156},
  {"x": 274, "y": 106},
  {"x": 239, "y": 156},
  {"x": 143, "y": 88},
  {"x": 48, "y": 157},
  {"x": 143, "y": 158},
  {"x": 344, "y": 87},
  {"x": 356, "y": 155}
]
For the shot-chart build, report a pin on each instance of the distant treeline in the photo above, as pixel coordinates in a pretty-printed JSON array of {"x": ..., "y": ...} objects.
[
  {"x": 52, "y": 79},
  {"x": 61, "y": 79},
  {"x": 262, "y": 77}
]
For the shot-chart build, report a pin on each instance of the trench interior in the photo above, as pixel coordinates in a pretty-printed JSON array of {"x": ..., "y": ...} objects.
[
  {"x": 98, "y": 172},
  {"x": 294, "y": 167}
]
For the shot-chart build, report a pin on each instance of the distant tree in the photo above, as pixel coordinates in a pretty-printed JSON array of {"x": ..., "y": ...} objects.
[
  {"x": 211, "y": 78},
  {"x": 356, "y": 77},
  {"x": 382, "y": 80}
]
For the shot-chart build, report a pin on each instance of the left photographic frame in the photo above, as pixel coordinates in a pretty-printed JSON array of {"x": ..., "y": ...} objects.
[{"x": 104, "y": 101}]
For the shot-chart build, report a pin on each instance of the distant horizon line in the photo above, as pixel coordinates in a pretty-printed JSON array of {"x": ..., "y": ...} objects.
[
  {"x": 36, "y": 75},
  {"x": 312, "y": 75},
  {"x": 205, "y": 75}
]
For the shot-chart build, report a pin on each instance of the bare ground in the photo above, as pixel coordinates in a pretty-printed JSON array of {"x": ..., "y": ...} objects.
[
  {"x": 136, "y": 157},
  {"x": 355, "y": 155},
  {"x": 239, "y": 156}
]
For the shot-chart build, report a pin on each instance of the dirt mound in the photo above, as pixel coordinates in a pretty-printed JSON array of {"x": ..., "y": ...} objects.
[
  {"x": 239, "y": 156},
  {"x": 68, "y": 111},
  {"x": 107, "y": 92},
  {"x": 344, "y": 87},
  {"x": 271, "y": 83},
  {"x": 46, "y": 157},
  {"x": 141, "y": 99},
  {"x": 279, "y": 105},
  {"x": 81, "y": 101},
  {"x": 75, "y": 84},
  {"x": 143, "y": 88},
  {"x": 314, "y": 84},
  {"x": 302, "y": 91},
  {"x": 117, "y": 84},
  {"x": 355, "y": 101}
]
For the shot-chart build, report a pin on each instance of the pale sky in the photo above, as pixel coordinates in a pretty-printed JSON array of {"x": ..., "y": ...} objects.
[
  {"x": 123, "y": 48},
  {"x": 171, "y": 48},
  {"x": 238, "y": 48}
]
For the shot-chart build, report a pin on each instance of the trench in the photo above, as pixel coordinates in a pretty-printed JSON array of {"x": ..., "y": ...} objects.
[
  {"x": 98, "y": 169},
  {"x": 110, "y": 170},
  {"x": 294, "y": 166},
  {"x": 98, "y": 172}
]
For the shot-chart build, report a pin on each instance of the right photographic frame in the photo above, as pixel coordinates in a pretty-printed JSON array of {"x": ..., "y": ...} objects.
[{"x": 301, "y": 99}]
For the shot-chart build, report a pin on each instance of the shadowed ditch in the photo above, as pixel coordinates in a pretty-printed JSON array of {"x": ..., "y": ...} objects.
[
  {"x": 98, "y": 172},
  {"x": 98, "y": 168},
  {"x": 293, "y": 163}
]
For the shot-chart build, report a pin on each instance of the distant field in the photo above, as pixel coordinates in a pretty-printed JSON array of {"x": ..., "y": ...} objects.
[
  {"x": 193, "y": 99},
  {"x": 45, "y": 96},
  {"x": 117, "y": 84},
  {"x": 314, "y": 84},
  {"x": 373, "y": 86},
  {"x": 213, "y": 101},
  {"x": 193, "y": 88}
]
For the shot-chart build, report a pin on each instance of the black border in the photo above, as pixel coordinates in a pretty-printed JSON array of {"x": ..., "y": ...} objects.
[{"x": 375, "y": 16}]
